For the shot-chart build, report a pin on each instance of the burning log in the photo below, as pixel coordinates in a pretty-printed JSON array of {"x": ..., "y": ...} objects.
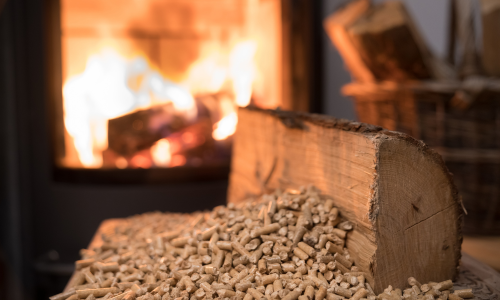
[
  {"x": 139, "y": 130},
  {"x": 192, "y": 141},
  {"x": 394, "y": 189},
  {"x": 133, "y": 138}
]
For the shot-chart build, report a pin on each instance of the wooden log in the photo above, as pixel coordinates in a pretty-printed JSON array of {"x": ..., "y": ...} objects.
[
  {"x": 139, "y": 130},
  {"x": 336, "y": 25},
  {"x": 397, "y": 191},
  {"x": 193, "y": 141},
  {"x": 490, "y": 12},
  {"x": 390, "y": 44}
]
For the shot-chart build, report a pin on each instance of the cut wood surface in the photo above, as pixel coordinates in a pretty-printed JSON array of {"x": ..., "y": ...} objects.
[
  {"x": 336, "y": 25},
  {"x": 490, "y": 14},
  {"x": 390, "y": 44},
  {"x": 395, "y": 189}
]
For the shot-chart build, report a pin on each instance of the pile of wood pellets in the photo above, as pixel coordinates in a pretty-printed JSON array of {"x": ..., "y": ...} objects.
[{"x": 287, "y": 245}]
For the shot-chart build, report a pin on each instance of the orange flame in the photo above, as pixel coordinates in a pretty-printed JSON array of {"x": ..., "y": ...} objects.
[
  {"x": 112, "y": 86},
  {"x": 242, "y": 70},
  {"x": 209, "y": 74},
  {"x": 225, "y": 127},
  {"x": 160, "y": 152}
]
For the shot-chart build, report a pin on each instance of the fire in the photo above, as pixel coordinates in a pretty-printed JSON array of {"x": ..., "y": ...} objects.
[
  {"x": 243, "y": 72},
  {"x": 112, "y": 86},
  {"x": 211, "y": 72},
  {"x": 161, "y": 153},
  {"x": 225, "y": 127}
]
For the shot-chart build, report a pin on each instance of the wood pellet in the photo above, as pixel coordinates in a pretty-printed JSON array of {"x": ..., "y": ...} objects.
[{"x": 286, "y": 245}]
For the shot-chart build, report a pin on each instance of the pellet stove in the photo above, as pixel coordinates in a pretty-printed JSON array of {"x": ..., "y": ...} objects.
[{"x": 114, "y": 108}]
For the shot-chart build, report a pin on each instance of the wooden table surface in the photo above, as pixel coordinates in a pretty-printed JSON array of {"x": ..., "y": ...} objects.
[{"x": 484, "y": 280}]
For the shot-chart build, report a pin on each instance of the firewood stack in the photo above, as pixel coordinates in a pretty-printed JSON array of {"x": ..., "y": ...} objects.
[{"x": 452, "y": 104}]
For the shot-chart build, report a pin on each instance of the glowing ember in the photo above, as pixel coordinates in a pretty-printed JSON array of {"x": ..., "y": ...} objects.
[
  {"x": 113, "y": 86},
  {"x": 160, "y": 152},
  {"x": 225, "y": 127},
  {"x": 121, "y": 163}
]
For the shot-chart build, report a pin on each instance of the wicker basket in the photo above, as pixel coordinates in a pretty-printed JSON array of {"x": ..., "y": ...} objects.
[{"x": 461, "y": 122}]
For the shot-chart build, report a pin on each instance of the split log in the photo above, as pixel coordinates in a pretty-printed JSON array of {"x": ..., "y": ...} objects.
[
  {"x": 139, "y": 130},
  {"x": 192, "y": 141},
  {"x": 490, "y": 12},
  {"x": 336, "y": 26},
  {"x": 395, "y": 189},
  {"x": 390, "y": 44}
]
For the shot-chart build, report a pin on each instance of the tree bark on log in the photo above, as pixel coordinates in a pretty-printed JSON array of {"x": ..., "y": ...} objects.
[{"x": 395, "y": 189}]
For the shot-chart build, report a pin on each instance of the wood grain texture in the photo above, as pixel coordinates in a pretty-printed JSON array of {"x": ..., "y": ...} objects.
[
  {"x": 416, "y": 218},
  {"x": 395, "y": 189}
]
